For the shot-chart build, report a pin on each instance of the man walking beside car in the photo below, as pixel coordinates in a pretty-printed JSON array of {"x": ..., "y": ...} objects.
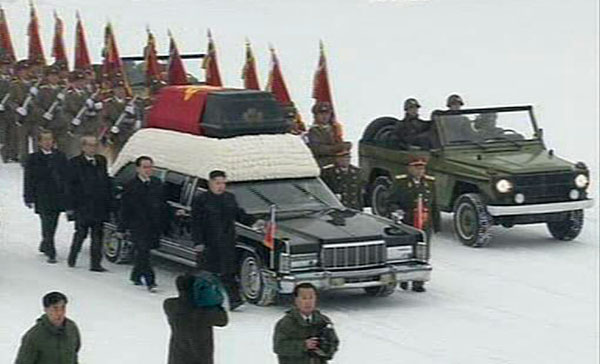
[
  {"x": 214, "y": 214},
  {"x": 45, "y": 178},
  {"x": 413, "y": 198},
  {"x": 90, "y": 196},
  {"x": 143, "y": 214}
]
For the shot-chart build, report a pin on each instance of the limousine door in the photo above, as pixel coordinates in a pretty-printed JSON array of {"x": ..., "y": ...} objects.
[{"x": 178, "y": 237}]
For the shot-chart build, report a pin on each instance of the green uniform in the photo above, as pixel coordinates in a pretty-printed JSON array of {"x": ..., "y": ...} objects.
[
  {"x": 291, "y": 332},
  {"x": 130, "y": 121},
  {"x": 321, "y": 140},
  {"x": 345, "y": 183},
  {"x": 27, "y": 126},
  {"x": 54, "y": 119},
  {"x": 405, "y": 196},
  {"x": 45, "y": 343},
  {"x": 89, "y": 120},
  {"x": 8, "y": 128}
]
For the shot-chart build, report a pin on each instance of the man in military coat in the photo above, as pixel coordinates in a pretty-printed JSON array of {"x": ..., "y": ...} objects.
[
  {"x": 343, "y": 179},
  {"x": 321, "y": 136},
  {"x": 412, "y": 130},
  {"x": 7, "y": 126},
  {"x": 413, "y": 197},
  {"x": 50, "y": 100}
]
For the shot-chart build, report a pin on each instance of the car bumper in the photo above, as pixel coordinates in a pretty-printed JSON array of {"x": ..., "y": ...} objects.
[
  {"x": 543, "y": 208},
  {"x": 326, "y": 280}
]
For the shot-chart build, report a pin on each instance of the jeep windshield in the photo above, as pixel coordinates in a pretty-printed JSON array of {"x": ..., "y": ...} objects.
[
  {"x": 293, "y": 195},
  {"x": 484, "y": 127}
]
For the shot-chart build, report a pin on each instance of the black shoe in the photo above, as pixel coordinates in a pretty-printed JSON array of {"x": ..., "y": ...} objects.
[
  {"x": 41, "y": 248},
  {"x": 235, "y": 305},
  {"x": 71, "y": 261},
  {"x": 52, "y": 260},
  {"x": 404, "y": 285},
  {"x": 418, "y": 287},
  {"x": 98, "y": 269}
]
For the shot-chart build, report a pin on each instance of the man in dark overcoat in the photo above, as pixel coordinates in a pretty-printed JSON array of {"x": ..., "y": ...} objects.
[
  {"x": 44, "y": 182},
  {"x": 191, "y": 327},
  {"x": 144, "y": 215},
  {"x": 91, "y": 200},
  {"x": 214, "y": 214}
]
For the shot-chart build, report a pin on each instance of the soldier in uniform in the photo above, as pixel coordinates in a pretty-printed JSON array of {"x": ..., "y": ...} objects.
[
  {"x": 457, "y": 127},
  {"x": 122, "y": 118},
  {"x": 7, "y": 126},
  {"x": 321, "y": 136},
  {"x": 50, "y": 100},
  {"x": 81, "y": 111},
  {"x": 21, "y": 101},
  {"x": 344, "y": 180},
  {"x": 412, "y": 130},
  {"x": 454, "y": 102},
  {"x": 413, "y": 197}
]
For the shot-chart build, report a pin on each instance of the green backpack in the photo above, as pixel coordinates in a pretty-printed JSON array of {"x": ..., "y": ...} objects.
[{"x": 207, "y": 290}]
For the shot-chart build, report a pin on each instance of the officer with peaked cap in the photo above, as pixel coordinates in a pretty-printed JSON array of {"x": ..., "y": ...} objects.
[{"x": 321, "y": 135}]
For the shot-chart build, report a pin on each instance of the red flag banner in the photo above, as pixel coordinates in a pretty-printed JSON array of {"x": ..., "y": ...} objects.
[
  {"x": 322, "y": 90},
  {"x": 36, "y": 51},
  {"x": 6, "y": 47},
  {"x": 112, "y": 65},
  {"x": 210, "y": 66},
  {"x": 249, "y": 74},
  {"x": 176, "y": 70},
  {"x": 58, "y": 44},
  {"x": 82, "y": 56},
  {"x": 271, "y": 228},
  {"x": 276, "y": 85},
  {"x": 151, "y": 65}
]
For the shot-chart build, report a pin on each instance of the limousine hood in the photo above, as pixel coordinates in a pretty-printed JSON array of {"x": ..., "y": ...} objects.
[{"x": 333, "y": 227}]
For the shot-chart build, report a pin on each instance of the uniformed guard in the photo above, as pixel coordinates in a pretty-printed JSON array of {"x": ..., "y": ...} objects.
[
  {"x": 51, "y": 100},
  {"x": 344, "y": 180},
  {"x": 413, "y": 198},
  {"x": 8, "y": 129},
  {"x": 122, "y": 117},
  {"x": 412, "y": 130},
  {"x": 321, "y": 136},
  {"x": 454, "y": 102},
  {"x": 23, "y": 91}
]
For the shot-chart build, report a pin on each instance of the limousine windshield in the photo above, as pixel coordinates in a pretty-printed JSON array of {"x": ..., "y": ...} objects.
[{"x": 288, "y": 195}]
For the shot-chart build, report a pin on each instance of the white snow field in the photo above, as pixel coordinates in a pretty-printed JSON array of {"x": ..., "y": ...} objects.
[{"x": 524, "y": 299}]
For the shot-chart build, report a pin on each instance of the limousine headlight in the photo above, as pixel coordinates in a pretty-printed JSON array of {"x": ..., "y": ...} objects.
[
  {"x": 292, "y": 262},
  {"x": 404, "y": 252}
]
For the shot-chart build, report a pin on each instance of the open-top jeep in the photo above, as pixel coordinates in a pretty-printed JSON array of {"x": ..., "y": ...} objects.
[
  {"x": 491, "y": 168},
  {"x": 317, "y": 240}
]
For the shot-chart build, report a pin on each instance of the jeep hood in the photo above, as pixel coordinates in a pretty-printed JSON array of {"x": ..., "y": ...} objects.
[{"x": 514, "y": 162}]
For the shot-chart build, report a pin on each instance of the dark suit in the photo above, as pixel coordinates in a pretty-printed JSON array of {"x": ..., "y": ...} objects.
[
  {"x": 90, "y": 199},
  {"x": 44, "y": 181},
  {"x": 143, "y": 213},
  {"x": 213, "y": 224}
]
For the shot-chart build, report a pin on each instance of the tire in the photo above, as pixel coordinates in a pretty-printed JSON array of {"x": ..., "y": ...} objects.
[
  {"x": 374, "y": 130},
  {"x": 256, "y": 285},
  {"x": 471, "y": 221},
  {"x": 568, "y": 228},
  {"x": 379, "y": 196},
  {"x": 381, "y": 291},
  {"x": 115, "y": 250}
]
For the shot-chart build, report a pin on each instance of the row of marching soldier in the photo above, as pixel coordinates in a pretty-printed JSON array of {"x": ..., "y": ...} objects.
[{"x": 34, "y": 98}]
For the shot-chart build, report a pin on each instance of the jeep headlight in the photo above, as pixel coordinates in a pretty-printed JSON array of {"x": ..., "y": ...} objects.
[
  {"x": 404, "y": 252},
  {"x": 581, "y": 181},
  {"x": 504, "y": 186}
]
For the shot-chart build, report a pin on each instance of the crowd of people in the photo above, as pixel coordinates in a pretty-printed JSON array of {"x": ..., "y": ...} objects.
[{"x": 34, "y": 98}]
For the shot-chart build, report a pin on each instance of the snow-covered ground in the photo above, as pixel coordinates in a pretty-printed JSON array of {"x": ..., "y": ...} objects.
[{"x": 524, "y": 299}]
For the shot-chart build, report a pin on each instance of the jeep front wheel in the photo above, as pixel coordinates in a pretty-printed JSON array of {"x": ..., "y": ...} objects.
[
  {"x": 255, "y": 283},
  {"x": 569, "y": 227},
  {"x": 380, "y": 193},
  {"x": 471, "y": 220}
]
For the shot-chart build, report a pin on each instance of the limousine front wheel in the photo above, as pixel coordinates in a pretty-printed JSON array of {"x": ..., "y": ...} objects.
[
  {"x": 116, "y": 250},
  {"x": 256, "y": 284}
]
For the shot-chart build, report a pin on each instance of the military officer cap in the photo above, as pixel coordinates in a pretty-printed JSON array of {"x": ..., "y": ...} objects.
[
  {"x": 51, "y": 70},
  {"x": 454, "y": 99},
  {"x": 408, "y": 103},
  {"x": 321, "y": 106},
  {"x": 21, "y": 65},
  {"x": 76, "y": 75},
  {"x": 417, "y": 161}
]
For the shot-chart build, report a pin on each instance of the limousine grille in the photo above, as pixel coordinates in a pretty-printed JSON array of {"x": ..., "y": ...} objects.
[{"x": 353, "y": 255}]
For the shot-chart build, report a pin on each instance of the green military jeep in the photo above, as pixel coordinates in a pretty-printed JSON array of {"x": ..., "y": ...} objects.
[{"x": 491, "y": 167}]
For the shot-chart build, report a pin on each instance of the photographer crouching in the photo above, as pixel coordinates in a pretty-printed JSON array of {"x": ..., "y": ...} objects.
[{"x": 304, "y": 335}]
